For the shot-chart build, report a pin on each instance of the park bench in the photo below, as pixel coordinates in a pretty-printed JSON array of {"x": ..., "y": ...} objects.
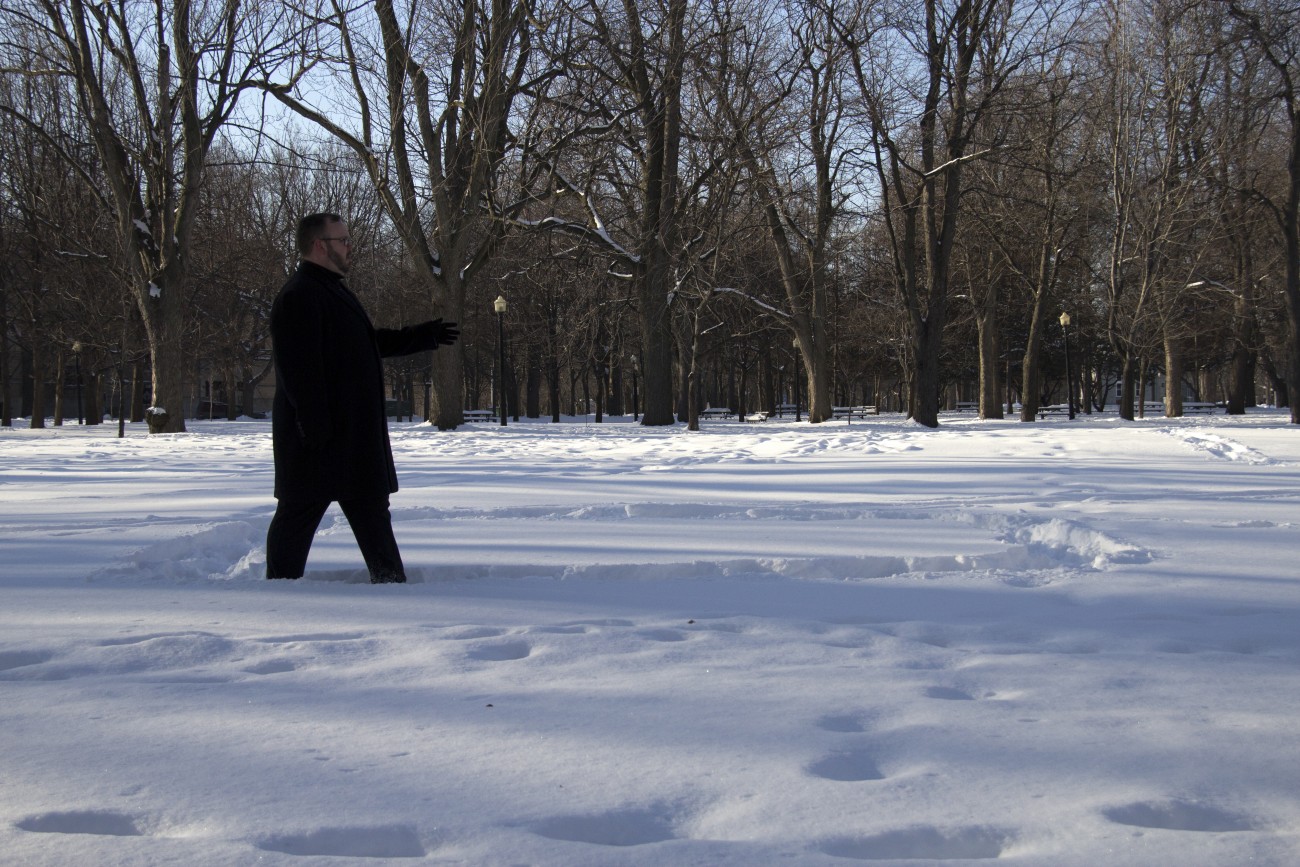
[
  {"x": 715, "y": 412},
  {"x": 757, "y": 416},
  {"x": 852, "y": 412},
  {"x": 1190, "y": 407},
  {"x": 479, "y": 415}
]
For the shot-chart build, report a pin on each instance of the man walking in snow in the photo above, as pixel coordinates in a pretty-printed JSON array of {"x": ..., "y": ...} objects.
[{"x": 329, "y": 427}]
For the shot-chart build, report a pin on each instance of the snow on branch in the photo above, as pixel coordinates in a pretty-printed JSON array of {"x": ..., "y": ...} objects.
[
  {"x": 757, "y": 302},
  {"x": 954, "y": 161},
  {"x": 593, "y": 230}
]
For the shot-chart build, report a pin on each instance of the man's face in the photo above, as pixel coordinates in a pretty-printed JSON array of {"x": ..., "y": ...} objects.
[{"x": 338, "y": 246}]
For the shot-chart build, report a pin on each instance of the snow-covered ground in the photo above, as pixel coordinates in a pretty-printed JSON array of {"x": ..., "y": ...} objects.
[{"x": 1063, "y": 643}]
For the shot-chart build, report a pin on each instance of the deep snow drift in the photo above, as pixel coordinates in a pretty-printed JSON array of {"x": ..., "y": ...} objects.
[{"x": 1063, "y": 643}]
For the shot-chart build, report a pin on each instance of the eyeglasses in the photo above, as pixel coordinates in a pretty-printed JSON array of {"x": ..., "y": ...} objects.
[{"x": 347, "y": 242}]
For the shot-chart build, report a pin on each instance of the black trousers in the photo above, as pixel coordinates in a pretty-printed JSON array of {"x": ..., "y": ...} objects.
[{"x": 289, "y": 537}]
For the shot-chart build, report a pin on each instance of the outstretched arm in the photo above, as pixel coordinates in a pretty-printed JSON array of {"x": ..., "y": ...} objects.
[{"x": 416, "y": 338}]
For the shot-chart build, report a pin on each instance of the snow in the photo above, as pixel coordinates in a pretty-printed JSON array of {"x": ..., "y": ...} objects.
[{"x": 1061, "y": 643}]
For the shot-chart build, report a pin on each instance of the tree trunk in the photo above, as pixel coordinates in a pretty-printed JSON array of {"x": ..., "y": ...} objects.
[
  {"x": 656, "y": 343},
  {"x": 60, "y": 372},
  {"x": 1292, "y": 287},
  {"x": 164, "y": 323},
  {"x": 6, "y": 403},
  {"x": 926, "y": 396},
  {"x": 1173, "y": 378},
  {"x": 93, "y": 384},
  {"x": 1241, "y": 381},
  {"x": 1128, "y": 386},
  {"x": 692, "y": 400},
  {"x": 533, "y": 406},
  {"x": 248, "y": 392},
  {"x": 37, "y": 356},
  {"x": 1281, "y": 395},
  {"x": 990, "y": 396}
]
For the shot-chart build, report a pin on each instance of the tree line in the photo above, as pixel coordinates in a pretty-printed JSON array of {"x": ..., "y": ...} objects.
[{"x": 723, "y": 202}]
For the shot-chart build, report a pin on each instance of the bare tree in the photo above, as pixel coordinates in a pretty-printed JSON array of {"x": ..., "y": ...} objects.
[
  {"x": 796, "y": 156},
  {"x": 623, "y": 107},
  {"x": 1274, "y": 31},
  {"x": 1026, "y": 211},
  {"x": 1150, "y": 115},
  {"x": 928, "y": 77},
  {"x": 61, "y": 292},
  {"x": 156, "y": 81},
  {"x": 432, "y": 89},
  {"x": 1240, "y": 96}
]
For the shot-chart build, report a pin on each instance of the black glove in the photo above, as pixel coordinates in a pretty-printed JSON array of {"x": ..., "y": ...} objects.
[{"x": 443, "y": 333}]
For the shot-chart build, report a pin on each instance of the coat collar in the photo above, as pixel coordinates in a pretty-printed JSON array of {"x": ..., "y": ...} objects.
[
  {"x": 320, "y": 272},
  {"x": 333, "y": 282}
]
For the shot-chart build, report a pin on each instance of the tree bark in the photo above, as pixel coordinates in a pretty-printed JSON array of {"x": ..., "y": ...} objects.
[{"x": 1174, "y": 370}]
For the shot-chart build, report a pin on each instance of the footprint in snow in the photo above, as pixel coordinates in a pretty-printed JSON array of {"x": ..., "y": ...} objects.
[
  {"x": 666, "y": 635},
  {"x": 848, "y": 723},
  {"x": 630, "y": 827},
  {"x": 384, "y": 841},
  {"x": 271, "y": 666},
  {"x": 99, "y": 822},
  {"x": 1178, "y": 816},
  {"x": 469, "y": 633},
  {"x": 502, "y": 652},
  {"x": 925, "y": 843},
  {"x": 851, "y": 766}
]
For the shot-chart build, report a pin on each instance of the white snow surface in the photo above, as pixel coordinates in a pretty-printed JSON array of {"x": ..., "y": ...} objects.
[{"x": 1060, "y": 643}]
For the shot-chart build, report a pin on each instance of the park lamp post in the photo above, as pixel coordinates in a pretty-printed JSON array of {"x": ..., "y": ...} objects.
[
  {"x": 794, "y": 374},
  {"x": 499, "y": 306},
  {"x": 1069, "y": 381},
  {"x": 76, "y": 359}
]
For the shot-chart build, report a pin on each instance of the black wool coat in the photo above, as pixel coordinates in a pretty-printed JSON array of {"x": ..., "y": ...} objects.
[{"x": 328, "y": 423}]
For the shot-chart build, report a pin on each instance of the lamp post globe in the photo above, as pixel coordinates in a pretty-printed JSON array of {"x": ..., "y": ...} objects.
[
  {"x": 499, "y": 306},
  {"x": 1069, "y": 380}
]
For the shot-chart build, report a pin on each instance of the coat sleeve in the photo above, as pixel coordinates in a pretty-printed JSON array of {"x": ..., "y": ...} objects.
[
  {"x": 298, "y": 338},
  {"x": 408, "y": 340}
]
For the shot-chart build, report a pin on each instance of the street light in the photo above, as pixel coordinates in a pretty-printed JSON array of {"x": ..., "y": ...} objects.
[
  {"x": 76, "y": 358},
  {"x": 1069, "y": 381},
  {"x": 794, "y": 374},
  {"x": 499, "y": 306}
]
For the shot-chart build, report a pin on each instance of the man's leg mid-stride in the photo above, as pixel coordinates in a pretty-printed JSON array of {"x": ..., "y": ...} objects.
[
  {"x": 372, "y": 524},
  {"x": 288, "y": 539}
]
